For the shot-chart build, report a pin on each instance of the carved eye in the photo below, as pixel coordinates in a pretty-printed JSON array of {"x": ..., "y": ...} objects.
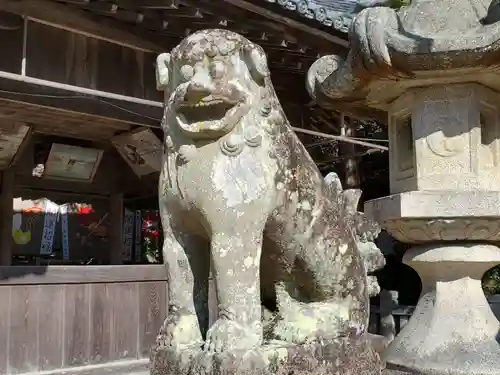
[
  {"x": 212, "y": 51},
  {"x": 217, "y": 69},
  {"x": 187, "y": 72}
]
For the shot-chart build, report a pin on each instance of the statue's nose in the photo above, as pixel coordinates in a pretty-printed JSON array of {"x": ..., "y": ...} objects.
[{"x": 199, "y": 86}]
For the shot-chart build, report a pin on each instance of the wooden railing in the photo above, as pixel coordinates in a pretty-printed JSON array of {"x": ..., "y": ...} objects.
[{"x": 59, "y": 317}]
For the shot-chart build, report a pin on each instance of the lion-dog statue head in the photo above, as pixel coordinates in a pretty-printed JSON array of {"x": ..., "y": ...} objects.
[{"x": 211, "y": 81}]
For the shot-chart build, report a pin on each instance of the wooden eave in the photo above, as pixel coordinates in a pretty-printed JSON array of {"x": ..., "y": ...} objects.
[
  {"x": 149, "y": 27},
  {"x": 67, "y": 104},
  {"x": 163, "y": 23}
]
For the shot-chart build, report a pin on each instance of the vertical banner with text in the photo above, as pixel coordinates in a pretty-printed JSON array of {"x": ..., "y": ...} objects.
[
  {"x": 63, "y": 211},
  {"x": 49, "y": 227},
  {"x": 128, "y": 234}
]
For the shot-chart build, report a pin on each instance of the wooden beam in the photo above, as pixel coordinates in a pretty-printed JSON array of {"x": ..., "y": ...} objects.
[
  {"x": 150, "y": 4},
  {"x": 9, "y": 21},
  {"x": 240, "y": 20},
  {"x": 341, "y": 138},
  {"x": 73, "y": 99},
  {"x": 22, "y": 148},
  {"x": 235, "y": 16},
  {"x": 47, "y": 187},
  {"x": 315, "y": 33},
  {"x": 35, "y": 275},
  {"x": 71, "y": 19},
  {"x": 77, "y": 89}
]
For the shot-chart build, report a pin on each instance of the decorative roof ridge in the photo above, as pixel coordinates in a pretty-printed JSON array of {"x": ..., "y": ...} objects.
[{"x": 332, "y": 13}]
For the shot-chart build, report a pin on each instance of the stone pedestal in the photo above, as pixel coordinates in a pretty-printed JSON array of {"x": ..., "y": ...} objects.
[
  {"x": 445, "y": 176},
  {"x": 342, "y": 356},
  {"x": 453, "y": 330},
  {"x": 432, "y": 66}
]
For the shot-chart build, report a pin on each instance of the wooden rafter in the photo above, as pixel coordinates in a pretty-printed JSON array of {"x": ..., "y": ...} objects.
[
  {"x": 288, "y": 22},
  {"x": 71, "y": 19}
]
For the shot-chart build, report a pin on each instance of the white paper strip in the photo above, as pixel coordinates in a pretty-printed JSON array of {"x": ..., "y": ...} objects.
[
  {"x": 49, "y": 227},
  {"x": 63, "y": 210}
]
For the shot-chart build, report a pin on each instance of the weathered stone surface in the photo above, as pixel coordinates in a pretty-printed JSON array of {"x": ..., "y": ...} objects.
[
  {"x": 239, "y": 193},
  {"x": 453, "y": 329},
  {"x": 365, "y": 230},
  {"x": 342, "y": 356},
  {"x": 425, "y": 216},
  {"x": 434, "y": 41},
  {"x": 439, "y": 132},
  {"x": 429, "y": 66}
]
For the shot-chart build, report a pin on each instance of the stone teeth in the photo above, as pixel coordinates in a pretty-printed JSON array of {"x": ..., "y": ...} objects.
[
  {"x": 204, "y": 103},
  {"x": 182, "y": 118}
]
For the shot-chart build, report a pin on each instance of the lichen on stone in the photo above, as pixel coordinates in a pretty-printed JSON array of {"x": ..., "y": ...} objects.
[{"x": 240, "y": 195}]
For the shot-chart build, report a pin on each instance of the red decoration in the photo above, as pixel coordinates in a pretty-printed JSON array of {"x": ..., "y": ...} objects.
[{"x": 85, "y": 210}]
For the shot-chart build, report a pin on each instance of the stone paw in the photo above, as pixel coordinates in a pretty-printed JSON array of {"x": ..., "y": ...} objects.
[
  {"x": 369, "y": 37},
  {"x": 180, "y": 330},
  {"x": 299, "y": 332},
  {"x": 315, "y": 323},
  {"x": 228, "y": 335}
]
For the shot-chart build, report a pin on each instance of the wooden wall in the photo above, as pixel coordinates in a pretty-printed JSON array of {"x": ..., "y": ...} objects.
[
  {"x": 62, "y": 56},
  {"x": 11, "y": 48},
  {"x": 57, "y": 317}
]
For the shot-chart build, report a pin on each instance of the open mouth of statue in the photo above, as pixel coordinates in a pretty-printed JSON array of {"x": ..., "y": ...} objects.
[{"x": 208, "y": 115}]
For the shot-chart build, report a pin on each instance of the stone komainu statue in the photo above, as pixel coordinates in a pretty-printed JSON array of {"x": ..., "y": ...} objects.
[{"x": 240, "y": 195}]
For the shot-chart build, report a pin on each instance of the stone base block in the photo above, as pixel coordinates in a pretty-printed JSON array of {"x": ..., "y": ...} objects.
[
  {"x": 340, "y": 357},
  {"x": 395, "y": 372},
  {"x": 434, "y": 216}
]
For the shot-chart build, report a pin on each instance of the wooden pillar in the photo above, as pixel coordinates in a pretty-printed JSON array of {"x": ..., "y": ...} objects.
[
  {"x": 6, "y": 213},
  {"x": 116, "y": 228}
]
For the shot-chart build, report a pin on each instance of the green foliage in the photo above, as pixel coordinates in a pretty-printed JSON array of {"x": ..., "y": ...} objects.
[
  {"x": 491, "y": 281},
  {"x": 399, "y": 3}
]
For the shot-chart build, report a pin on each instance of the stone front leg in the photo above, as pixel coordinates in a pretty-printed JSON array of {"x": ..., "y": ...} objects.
[
  {"x": 236, "y": 260},
  {"x": 187, "y": 262}
]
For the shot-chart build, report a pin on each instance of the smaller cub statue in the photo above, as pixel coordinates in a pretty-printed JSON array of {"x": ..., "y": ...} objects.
[{"x": 241, "y": 198}]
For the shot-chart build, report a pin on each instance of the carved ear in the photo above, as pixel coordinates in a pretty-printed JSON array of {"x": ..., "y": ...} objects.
[
  {"x": 162, "y": 71},
  {"x": 319, "y": 72},
  {"x": 257, "y": 62},
  {"x": 333, "y": 185}
]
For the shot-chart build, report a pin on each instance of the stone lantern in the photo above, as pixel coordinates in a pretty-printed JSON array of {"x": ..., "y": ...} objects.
[{"x": 432, "y": 69}]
